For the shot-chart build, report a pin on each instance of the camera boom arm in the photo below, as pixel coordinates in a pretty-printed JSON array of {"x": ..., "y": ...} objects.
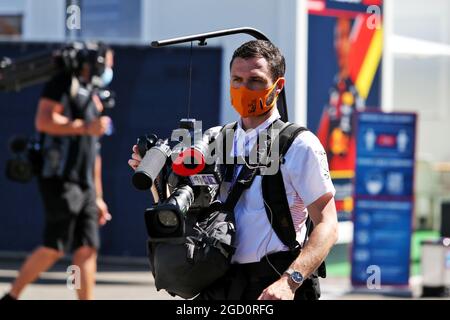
[
  {"x": 41, "y": 67},
  {"x": 281, "y": 105},
  {"x": 28, "y": 71}
]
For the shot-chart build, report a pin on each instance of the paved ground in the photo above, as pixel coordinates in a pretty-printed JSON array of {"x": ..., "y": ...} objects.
[{"x": 133, "y": 281}]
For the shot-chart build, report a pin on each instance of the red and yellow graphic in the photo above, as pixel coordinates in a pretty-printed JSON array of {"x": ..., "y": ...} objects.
[{"x": 358, "y": 43}]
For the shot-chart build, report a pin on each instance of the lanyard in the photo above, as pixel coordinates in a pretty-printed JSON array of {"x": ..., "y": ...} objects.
[{"x": 237, "y": 167}]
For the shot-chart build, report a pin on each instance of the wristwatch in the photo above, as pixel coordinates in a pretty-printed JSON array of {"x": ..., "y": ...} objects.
[{"x": 295, "y": 276}]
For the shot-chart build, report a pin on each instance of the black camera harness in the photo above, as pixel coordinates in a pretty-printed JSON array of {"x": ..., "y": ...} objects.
[{"x": 273, "y": 190}]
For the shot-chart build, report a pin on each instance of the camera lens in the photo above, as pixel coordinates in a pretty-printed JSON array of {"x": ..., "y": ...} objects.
[
  {"x": 18, "y": 144},
  {"x": 168, "y": 218},
  {"x": 150, "y": 166},
  {"x": 189, "y": 162}
]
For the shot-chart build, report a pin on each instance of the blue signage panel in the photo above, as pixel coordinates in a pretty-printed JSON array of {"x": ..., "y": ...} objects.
[
  {"x": 111, "y": 19},
  {"x": 382, "y": 232},
  {"x": 384, "y": 186},
  {"x": 385, "y": 154}
]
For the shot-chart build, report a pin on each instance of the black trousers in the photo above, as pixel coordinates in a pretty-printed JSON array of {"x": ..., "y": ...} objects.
[{"x": 247, "y": 281}]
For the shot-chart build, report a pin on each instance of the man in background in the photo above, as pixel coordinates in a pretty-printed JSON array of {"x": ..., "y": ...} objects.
[{"x": 69, "y": 119}]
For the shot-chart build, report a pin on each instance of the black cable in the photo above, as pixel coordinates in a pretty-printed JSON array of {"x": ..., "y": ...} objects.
[
  {"x": 159, "y": 190},
  {"x": 282, "y": 106},
  {"x": 190, "y": 82}
]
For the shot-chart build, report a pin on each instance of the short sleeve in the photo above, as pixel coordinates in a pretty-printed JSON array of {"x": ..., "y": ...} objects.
[
  {"x": 307, "y": 168},
  {"x": 56, "y": 87}
]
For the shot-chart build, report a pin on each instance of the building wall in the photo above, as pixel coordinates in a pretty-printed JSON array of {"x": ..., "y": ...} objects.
[
  {"x": 44, "y": 20},
  {"x": 421, "y": 82},
  {"x": 164, "y": 19},
  {"x": 138, "y": 111},
  {"x": 418, "y": 84}
]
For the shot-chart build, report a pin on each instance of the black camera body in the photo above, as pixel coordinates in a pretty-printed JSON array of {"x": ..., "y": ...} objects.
[
  {"x": 16, "y": 74},
  {"x": 26, "y": 159},
  {"x": 191, "y": 232},
  {"x": 40, "y": 67},
  {"x": 108, "y": 100},
  {"x": 187, "y": 179}
]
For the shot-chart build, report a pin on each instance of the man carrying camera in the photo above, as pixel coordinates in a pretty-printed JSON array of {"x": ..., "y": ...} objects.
[
  {"x": 70, "y": 123},
  {"x": 263, "y": 267}
]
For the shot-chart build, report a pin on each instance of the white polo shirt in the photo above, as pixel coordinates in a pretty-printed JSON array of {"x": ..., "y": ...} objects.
[{"x": 306, "y": 178}]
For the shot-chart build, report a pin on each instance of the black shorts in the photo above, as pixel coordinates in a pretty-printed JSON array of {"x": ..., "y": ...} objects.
[{"x": 71, "y": 215}]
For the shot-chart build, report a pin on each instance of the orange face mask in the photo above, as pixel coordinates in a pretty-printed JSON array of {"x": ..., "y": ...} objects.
[{"x": 251, "y": 103}]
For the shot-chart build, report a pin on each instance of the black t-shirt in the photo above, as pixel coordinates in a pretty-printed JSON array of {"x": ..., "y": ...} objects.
[
  {"x": 70, "y": 158},
  {"x": 57, "y": 87}
]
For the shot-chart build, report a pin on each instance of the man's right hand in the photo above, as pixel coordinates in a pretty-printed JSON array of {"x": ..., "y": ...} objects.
[
  {"x": 98, "y": 126},
  {"x": 135, "y": 158}
]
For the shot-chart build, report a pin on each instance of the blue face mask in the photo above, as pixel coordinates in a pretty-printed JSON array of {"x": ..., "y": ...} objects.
[{"x": 107, "y": 76}]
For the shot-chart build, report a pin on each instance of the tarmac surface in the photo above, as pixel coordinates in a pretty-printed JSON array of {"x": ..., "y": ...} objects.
[{"x": 133, "y": 281}]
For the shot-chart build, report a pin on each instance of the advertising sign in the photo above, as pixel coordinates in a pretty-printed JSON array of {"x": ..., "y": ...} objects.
[
  {"x": 385, "y": 159},
  {"x": 345, "y": 48}
]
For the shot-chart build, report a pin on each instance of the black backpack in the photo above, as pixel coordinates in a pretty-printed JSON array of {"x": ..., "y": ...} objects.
[{"x": 274, "y": 192}]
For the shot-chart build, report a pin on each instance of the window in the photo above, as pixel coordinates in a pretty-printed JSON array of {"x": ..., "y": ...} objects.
[
  {"x": 111, "y": 20},
  {"x": 421, "y": 85},
  {"x": 421, "y": 73},
  {"x": 10, "y": 26},
  {"x": 416, "y": 74}
]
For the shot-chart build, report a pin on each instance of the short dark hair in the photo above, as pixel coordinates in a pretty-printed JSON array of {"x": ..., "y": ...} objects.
[{"x": 263, "y": 49}]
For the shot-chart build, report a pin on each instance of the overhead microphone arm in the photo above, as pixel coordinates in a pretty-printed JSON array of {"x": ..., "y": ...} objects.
[
  {"x": 201, "y": 38},
  {"x": 28, "y": 71}
]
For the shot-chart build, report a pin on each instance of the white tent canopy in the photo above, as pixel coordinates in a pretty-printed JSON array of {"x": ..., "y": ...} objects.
[{"x": 414, "y": 47}]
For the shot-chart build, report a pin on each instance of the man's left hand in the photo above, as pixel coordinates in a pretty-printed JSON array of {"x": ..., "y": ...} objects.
[
  {"x": 103, "y": 213},
  {"x": 279, "y": 290}
]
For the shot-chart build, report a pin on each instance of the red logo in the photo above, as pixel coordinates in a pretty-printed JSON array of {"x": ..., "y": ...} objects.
[{"x": 387, "y": 140}]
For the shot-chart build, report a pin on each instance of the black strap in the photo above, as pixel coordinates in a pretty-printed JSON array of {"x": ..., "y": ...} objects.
[
  {"x": 274, "y": 192},
  {"x": 226, "y": 134},
  {"x": 246, "y": 175},
  {"x": 243, "y": 182}
]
